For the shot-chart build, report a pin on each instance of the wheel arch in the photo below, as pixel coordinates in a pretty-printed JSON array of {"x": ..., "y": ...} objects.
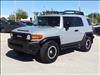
[
  {"x": 53, "y": 38},
  {"x": 89, "y": 34}
]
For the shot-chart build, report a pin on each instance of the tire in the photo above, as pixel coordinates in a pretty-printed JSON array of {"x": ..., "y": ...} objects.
[
  {"x": 49, "y": 52},
  {"x": 86, "y": 45}
]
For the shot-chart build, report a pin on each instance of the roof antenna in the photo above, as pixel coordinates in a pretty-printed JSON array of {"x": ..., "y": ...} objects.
[{"x": 79, "y": 5}]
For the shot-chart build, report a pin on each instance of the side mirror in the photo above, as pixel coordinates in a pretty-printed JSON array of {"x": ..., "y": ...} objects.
[{"x": 67, "y": 26}]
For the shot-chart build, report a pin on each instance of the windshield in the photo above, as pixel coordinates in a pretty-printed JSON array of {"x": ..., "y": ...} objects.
[{"x": 48, "y": 21}]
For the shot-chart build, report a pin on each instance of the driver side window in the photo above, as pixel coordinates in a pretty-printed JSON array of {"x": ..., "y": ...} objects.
[{"x": 67, "y": 21}]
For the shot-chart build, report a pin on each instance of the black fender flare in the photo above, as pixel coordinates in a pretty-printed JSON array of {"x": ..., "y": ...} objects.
[
  {"x": 88, "y": 34},
  {"x": 54, "y": 38}
]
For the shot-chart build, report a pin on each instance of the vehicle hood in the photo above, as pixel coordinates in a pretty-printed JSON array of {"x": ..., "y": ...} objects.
[{"x": 44, "y": 30}]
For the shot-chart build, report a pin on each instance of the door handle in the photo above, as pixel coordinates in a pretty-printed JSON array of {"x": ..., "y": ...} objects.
[{"x": 76, "y": 30}]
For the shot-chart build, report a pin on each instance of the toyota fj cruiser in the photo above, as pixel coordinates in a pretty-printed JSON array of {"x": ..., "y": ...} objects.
[{"x": 52, "y": 34}]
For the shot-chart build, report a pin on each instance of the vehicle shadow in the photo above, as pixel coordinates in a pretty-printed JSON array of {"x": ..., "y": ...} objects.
[
  {"x": 23, "y": 57},
  {"x": 97, "y": 34},
  {"x": 27, "y": 57},
  {"x": 67, "y": 51}
]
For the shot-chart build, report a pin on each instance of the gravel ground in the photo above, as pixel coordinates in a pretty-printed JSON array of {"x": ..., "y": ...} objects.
[{"x": 69, "y": 63}]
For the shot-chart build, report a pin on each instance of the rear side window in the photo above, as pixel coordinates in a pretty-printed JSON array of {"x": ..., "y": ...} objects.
[
  {"x": 77, "y": 21},
  {"x": 89, "y": 22},
  {"x": 73, "y": 21}
]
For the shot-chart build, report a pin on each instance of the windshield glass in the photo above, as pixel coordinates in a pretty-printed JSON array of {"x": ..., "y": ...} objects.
[{"x": 48, "y": 21}]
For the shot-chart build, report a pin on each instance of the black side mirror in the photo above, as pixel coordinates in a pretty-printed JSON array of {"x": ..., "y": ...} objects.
[{"x": 67, "y": 26}]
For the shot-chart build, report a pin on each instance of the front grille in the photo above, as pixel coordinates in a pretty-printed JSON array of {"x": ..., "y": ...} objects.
[
  {"x": 15, "y": 44},
  {"x": 20, "y": 36}
]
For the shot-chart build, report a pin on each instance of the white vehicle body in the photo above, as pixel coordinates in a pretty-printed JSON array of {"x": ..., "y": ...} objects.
[
  {"x": 60, "y": 32},
  {"x": 68, "y": 36}
]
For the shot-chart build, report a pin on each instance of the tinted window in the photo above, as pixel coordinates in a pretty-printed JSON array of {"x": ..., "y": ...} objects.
[
  {"x": 49, "y": 21},
  {"x": 78, "y": 21},
  {"x": 73, "y": 21},
  {"x": 68, "y": 21}
]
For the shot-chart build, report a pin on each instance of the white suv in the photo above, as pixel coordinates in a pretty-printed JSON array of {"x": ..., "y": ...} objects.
[{"x": 52, "y": 34}]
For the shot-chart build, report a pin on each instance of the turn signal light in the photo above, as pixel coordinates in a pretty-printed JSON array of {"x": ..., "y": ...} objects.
[{"x": 36, "y": 36}]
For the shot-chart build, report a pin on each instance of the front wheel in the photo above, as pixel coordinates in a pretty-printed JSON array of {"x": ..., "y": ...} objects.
[
  {"x": 49, "y": 52},
  {"x": 86, "y": 44}
]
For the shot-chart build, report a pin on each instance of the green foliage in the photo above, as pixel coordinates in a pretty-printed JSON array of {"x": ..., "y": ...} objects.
[
  {"x": 11, "y": 17},
  {"x": 2, "y": 18},
  {"x": 46, "y": 12},
  {"x": 36, "y": 13},
  {"x": 95, "y": 17},
  {"x": 19, "y": 14}
]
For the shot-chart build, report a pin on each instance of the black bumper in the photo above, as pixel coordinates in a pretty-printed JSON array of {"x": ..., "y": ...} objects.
[{"x": 24, "y": 46}]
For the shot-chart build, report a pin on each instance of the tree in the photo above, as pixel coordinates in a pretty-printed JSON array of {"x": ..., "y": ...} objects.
[
  {"x": 95, "y": 17},
  {"x": 11, "y": 17},
  {"x": 36, "y": 13},
  {"x": 46, "y": 12},
  {"x": 2, "y": 18},
  {"x": 19, "y": 14},
  {"x": 98, "y": 19}
]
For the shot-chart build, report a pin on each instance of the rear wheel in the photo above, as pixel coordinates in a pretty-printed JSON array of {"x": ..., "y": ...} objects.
[
  {"x": 86, "y": 45},
  {"x": 49, "y": 52}
]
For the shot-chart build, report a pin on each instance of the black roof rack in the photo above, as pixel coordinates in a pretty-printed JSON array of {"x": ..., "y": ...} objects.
[{"x": 72, "y": 12}]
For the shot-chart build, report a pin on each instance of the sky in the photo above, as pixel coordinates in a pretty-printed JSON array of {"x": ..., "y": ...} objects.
[{"x": 9, "y": 7}]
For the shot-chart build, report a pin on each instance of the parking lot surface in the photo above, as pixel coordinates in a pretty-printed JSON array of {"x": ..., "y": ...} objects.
[{"x": 74, "y": 62}]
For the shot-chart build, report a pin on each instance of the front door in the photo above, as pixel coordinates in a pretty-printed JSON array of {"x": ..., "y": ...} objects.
[{"x": 72, "y": 31}]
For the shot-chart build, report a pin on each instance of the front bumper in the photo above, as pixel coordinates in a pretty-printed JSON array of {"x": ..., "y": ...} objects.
[{"x": 24, "y": 46}]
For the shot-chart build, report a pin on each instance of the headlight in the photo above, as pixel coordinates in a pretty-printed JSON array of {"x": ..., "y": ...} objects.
[
  {"x": 28, "y": 37},
  {"x": 36, "y": 36}
]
